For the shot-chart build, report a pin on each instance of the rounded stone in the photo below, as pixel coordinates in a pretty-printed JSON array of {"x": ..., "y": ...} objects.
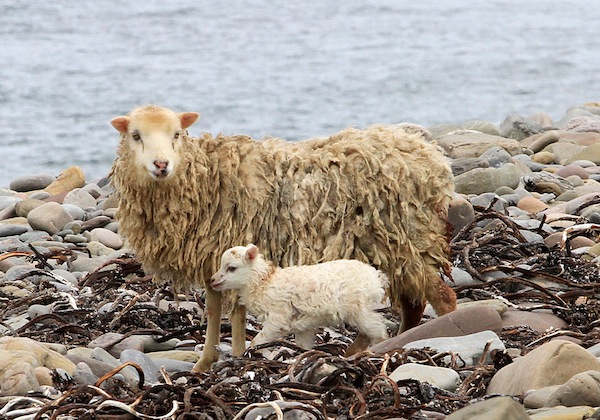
[
  {"x": 23, "y": 208},
  {"x": 496, "y": 156},
  {"x": 552, "y": 363},
  {"x": 31, "y": 182},
  {"x": 531, "y": 205},
  {"x": 545, "y": 158},
  {"x": 107, "y": 238},
  {"x": 68, "y": 180},
  {"x": 49, "y": 217},
  {"x": 460, "y": 213},
  {"x": 76, "y": 212},
  {"x": 18, "y": 379},
  {"x": 80, "y": 198},
  {"x": 13, "y": 230},
  {"x": 539, "y": 143},
  {"x": 8, "y": 201},
  {"x": 581, "y": 389},
  {"x": 482, "y": 180},
  {"x": 570, "y": 170},
  {"x": 444, "y": 378},
  {"x": 497, "y": 408}
]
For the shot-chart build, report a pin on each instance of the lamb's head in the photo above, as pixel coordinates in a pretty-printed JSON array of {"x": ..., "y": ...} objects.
[
  {"x": 240, "y": 267},
  {"x": 153, "y": 135}
]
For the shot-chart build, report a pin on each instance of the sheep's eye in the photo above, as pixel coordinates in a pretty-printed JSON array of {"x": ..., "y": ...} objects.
[
  {"x": 176, "y": 136},
  {"x": 136, "y": 136},
  {"x": 231, "y": 269}
]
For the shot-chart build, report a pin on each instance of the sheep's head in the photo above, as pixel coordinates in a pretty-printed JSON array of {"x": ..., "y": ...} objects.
[
  {"x": 154, "y": 136},
  {"x": 239, "y": 266}
]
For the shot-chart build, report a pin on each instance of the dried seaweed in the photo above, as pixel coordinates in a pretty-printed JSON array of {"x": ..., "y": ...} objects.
[{"x": 320, "y": 383}]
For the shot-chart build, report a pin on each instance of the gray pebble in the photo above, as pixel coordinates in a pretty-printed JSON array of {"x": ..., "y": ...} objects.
[
  {"x": 34, "y": 236},
  {"x": 36, "y": 310},
  {"x": 441, "y": 377},
  {"x": 93, "y": 190},
  {"x": 66, "y": 275},
  {"x": 113, "y": 227},
  {"x": 469, "y": 347},
  {"x": 8, "y": 201},
  {"x": 76, "y": 212},
  {"x": 496, "y": 156},
  {"x": 107, "y": 238},
  {"x": 40, "y": 195},
  {"x": 80, "y": 198},
  {"x": 485, "y": 199},
  {"x": 173, "y": 366},
  {"x": 83, "y": 374},
  {"x": 13, "y": 230},
  {"x": 147, "y": 365},
  {"x": 31, "y": 182},
  {"x": 75, "y": 239},
  {"x": 74, "y": 226},
  {"x": 460, "y": 278},
  {"x": 18, "y": 271},
  {"x": 517, "y": 127}
]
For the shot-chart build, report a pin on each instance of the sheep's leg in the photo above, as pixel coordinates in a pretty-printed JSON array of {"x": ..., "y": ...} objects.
[
  {"x": 238, "y": 328},
  {"x": 305, "y": 339},
  {"x": 441, "y": 296},
  {"x": 412, "y": 312},
  {"x": 213, "y": 330}
]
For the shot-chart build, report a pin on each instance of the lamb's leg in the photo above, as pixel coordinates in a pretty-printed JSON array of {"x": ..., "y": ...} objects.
[
  {"x": 412, "y": 312},
  {"x": 213, "y": 330},
  {"x": 305, "y": 339},
  {"x": 361, "y": 342},
  {"x": 268, "y": 333},
  {"x": 238, "y": 328},
  {"x": 371, "y": 327}
]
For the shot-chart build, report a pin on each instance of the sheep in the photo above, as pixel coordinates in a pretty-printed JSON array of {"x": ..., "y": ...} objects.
[
  {"x": 378, "y": 195},
  {"x": 299, "y": 299}
]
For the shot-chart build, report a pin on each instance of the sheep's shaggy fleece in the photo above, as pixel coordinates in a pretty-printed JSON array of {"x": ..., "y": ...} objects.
[
  {"x": 300, "y": 299},
  {"x": 379, "y": 195}
]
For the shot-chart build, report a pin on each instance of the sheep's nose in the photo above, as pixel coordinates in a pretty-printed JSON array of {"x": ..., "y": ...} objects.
[{"x": 161, "y": 166}]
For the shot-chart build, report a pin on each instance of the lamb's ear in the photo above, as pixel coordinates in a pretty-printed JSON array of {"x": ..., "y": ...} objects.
[
  {"x": 121, "y": 124},
  {"x": 188, "y": 118},
  {"x": 251, "y": 253}
]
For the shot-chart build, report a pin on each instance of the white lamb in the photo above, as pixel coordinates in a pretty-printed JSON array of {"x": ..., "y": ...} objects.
[{"x": 298, "y": 299}]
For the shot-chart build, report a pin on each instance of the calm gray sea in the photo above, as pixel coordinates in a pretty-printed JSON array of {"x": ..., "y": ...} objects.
[{"x": 292, "y": 69}]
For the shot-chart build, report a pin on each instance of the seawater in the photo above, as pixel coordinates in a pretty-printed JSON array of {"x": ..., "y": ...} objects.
[{"x": 290, "y": 69}]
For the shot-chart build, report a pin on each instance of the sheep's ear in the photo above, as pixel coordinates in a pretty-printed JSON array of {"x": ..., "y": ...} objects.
[
  {"x": 121, "y": 124},
  {"x": 188, "y": 118},
  {"x": 251, "y": 253}
]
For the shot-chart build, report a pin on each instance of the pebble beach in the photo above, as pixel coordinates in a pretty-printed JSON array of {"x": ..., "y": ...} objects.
[{"x": 85, "y": 333}]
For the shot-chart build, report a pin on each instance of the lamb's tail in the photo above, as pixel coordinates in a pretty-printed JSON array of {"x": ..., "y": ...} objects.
[{"x": 385, "y": 284}]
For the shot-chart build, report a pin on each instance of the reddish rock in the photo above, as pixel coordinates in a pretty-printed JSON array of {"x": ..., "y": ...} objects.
[{"x": 458, "y": 323}]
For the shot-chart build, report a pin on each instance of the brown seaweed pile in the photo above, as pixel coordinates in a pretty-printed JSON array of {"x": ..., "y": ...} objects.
[{"x": 320, "y": 383}]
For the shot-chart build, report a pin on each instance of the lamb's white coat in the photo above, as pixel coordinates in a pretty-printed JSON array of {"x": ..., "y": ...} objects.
[{"x": 299, "y": 299}]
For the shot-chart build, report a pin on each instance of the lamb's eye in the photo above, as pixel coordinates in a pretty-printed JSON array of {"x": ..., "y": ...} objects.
[
  {"x": 176, "y": 136},
  {"x": 231, "y": 269},
  {"x": 136, "y": 136}
]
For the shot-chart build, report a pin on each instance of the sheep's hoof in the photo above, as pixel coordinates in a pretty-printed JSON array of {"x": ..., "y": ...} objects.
[{"x": 202, "y": 365}]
